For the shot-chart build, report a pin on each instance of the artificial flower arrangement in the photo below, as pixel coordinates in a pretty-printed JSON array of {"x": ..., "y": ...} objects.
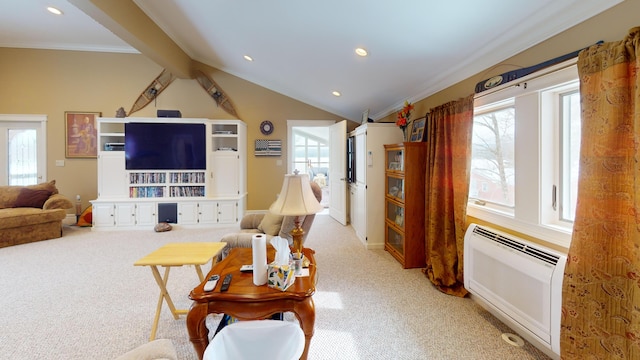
[{"x": 403, "y": 117}]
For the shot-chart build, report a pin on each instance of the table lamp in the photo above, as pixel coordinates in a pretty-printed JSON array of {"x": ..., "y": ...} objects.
[{"x": 296, "y": 198}]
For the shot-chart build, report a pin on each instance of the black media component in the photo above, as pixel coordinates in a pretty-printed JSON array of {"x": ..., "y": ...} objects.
[
  {"x": 168, "y": 212},
  {"x": 165, "y": 146}
]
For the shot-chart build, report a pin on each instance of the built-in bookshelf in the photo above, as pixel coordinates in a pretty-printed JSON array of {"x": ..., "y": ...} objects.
[
  {"x": 111, "y": 135},
  {"x": 148, "y": 177},
  {"x": 133, "y": 196},
  {"x": 187, "y": 177},
  {"x": 154, "y": 184},
  {"x": 146, "y": 191},
  {"x": 224, "y": 137},
  {"x": 186, "y": 191}
]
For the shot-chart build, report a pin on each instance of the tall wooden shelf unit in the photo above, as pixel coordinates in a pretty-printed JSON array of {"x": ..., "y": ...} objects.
[
  {"x": 133, "y": 198},
  {"x": 405, "y": 202}
]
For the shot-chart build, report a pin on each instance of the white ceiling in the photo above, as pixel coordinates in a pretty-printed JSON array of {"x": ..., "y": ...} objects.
[{"x": 305, "y": 49}]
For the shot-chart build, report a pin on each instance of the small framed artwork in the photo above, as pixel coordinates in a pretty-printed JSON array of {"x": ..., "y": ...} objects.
[
  {"x": 81, "y": 134},
  {"x": 417, "y": 129},
  {"x": 268, "y": 148},
  {"x": 365, "y": 117}
]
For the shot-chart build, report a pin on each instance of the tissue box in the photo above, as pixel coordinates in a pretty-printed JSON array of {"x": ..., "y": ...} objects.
[{"x": 280, "y": 276}]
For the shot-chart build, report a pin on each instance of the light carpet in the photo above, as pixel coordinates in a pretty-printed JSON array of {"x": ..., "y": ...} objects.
[{"x": 80, "y": 297}]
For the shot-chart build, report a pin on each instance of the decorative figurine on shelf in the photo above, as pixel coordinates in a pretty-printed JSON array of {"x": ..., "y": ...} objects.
[
  {"x": 403, "y": 118},
  {"x": 120, "y": 113}
]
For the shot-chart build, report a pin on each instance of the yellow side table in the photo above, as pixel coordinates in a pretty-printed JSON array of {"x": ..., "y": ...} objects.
[{"x": 177, "y": 254}]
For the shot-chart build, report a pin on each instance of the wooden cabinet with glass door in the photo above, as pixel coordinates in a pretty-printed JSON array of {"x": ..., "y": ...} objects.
[{"x": 405, "y": 202}]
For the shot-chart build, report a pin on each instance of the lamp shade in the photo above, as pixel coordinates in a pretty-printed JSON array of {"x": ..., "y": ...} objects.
[{"x": 296, "y": 197}]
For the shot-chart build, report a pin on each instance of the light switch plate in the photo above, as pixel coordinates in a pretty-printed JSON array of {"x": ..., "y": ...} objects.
[{"x": 59, "y": 162}]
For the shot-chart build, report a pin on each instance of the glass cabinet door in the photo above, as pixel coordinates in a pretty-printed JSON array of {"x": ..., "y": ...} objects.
[
  {"x": 395, "y": 239},
  {"x": 395, "y": 162},
  {"x": 395, "y": 187},
  {"x": 395, "y": 214}
]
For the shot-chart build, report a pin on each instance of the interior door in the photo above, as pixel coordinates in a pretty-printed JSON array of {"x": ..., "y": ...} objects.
[{"x": 338, "y": 171}]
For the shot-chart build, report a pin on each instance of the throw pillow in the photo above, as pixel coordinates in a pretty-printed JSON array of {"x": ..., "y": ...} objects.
[
  {"x": 86, "y": 217},
  {"x": 9, "y": 194},
  {"x": 270, "y": 224},
  {"x": 49, "y": 186},
  {"x": 32, "y": 198}
]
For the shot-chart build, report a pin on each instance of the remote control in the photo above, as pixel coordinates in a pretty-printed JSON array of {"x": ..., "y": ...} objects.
[
  {"x": 246, "y": 268},
  {"x": 211, "y": 283},
  {"x": 225, "y": 283}
]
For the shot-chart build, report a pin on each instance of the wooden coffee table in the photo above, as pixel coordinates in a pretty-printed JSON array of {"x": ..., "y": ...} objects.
[
  {"x": 246, "y": 301},
  {"x": 177, "y": 254}
]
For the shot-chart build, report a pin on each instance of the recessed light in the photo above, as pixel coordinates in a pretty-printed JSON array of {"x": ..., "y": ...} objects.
[
  {"x": 248, "y": 58},
  {"x": 336, "y": 93},
  {"x": 361, "y": 52},
  {"x": 53, "y": 10}
]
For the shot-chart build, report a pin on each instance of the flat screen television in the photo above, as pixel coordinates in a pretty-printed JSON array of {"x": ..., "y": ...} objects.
[{"x": 165, "y": 146}]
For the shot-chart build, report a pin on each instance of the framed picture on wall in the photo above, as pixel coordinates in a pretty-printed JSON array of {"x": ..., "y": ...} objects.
[
  {"x": 365, "y": 116},
  {"x": 417, "y": 129},
  {"x": 81, "y": 134}
]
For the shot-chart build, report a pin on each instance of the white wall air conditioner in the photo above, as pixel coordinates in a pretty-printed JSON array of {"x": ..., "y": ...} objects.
[{"x": 519, "y": 282}]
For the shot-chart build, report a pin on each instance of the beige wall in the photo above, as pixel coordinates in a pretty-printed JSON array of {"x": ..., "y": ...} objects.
[
  {"x": 52, "y": 82},
  {"x": 611, "y": 25}
]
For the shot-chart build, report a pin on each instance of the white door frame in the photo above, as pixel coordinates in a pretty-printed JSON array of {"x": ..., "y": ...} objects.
[{"x": 32, "y": 121}]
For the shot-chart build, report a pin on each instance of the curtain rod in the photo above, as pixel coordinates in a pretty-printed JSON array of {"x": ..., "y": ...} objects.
[
  {"x": 522, "y": 74},
  {"x": 535, "y": 75}
]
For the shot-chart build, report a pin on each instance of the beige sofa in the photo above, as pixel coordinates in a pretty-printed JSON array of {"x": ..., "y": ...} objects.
[{"x": 31, "y": 213}]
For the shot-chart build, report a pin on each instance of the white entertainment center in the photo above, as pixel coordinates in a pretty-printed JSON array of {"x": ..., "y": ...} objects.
[{"x": 210, "y": 193}]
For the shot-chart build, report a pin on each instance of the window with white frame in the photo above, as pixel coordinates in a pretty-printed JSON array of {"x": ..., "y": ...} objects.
[
  {"x": 526, "y": 144},
  {"x": 23, "y": 155},
  {"x": 492, "y": 168}
]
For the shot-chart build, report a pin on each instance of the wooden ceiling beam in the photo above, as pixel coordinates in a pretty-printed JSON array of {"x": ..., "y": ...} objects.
[{"x": 127, "y": 21}]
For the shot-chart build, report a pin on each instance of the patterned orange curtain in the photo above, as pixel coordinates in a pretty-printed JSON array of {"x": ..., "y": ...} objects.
[
  {"x": 447, "y": 190},
  {"x": 601, "y": 289}
]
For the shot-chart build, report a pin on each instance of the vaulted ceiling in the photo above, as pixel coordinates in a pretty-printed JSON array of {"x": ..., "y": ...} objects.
[{"x": 306, "y": 49}]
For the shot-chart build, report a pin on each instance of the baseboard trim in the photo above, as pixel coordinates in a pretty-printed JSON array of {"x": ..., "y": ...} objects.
[{"x": 69, "y": 220}]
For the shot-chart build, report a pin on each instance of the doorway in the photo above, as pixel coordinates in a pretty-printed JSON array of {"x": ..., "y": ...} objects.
[
  {"x": 329, "y": 140},
  {"x": 309, "y": 146}
]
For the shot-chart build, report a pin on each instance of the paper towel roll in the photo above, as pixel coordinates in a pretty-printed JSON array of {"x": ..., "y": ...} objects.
[{"x": 259, "y": 253}]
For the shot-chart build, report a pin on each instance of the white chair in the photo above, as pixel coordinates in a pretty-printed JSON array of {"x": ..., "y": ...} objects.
[{"x": 257, "y": 339}]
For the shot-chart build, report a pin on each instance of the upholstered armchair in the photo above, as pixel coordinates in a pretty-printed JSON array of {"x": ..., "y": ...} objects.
[{"x": 269, "y": 224}]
